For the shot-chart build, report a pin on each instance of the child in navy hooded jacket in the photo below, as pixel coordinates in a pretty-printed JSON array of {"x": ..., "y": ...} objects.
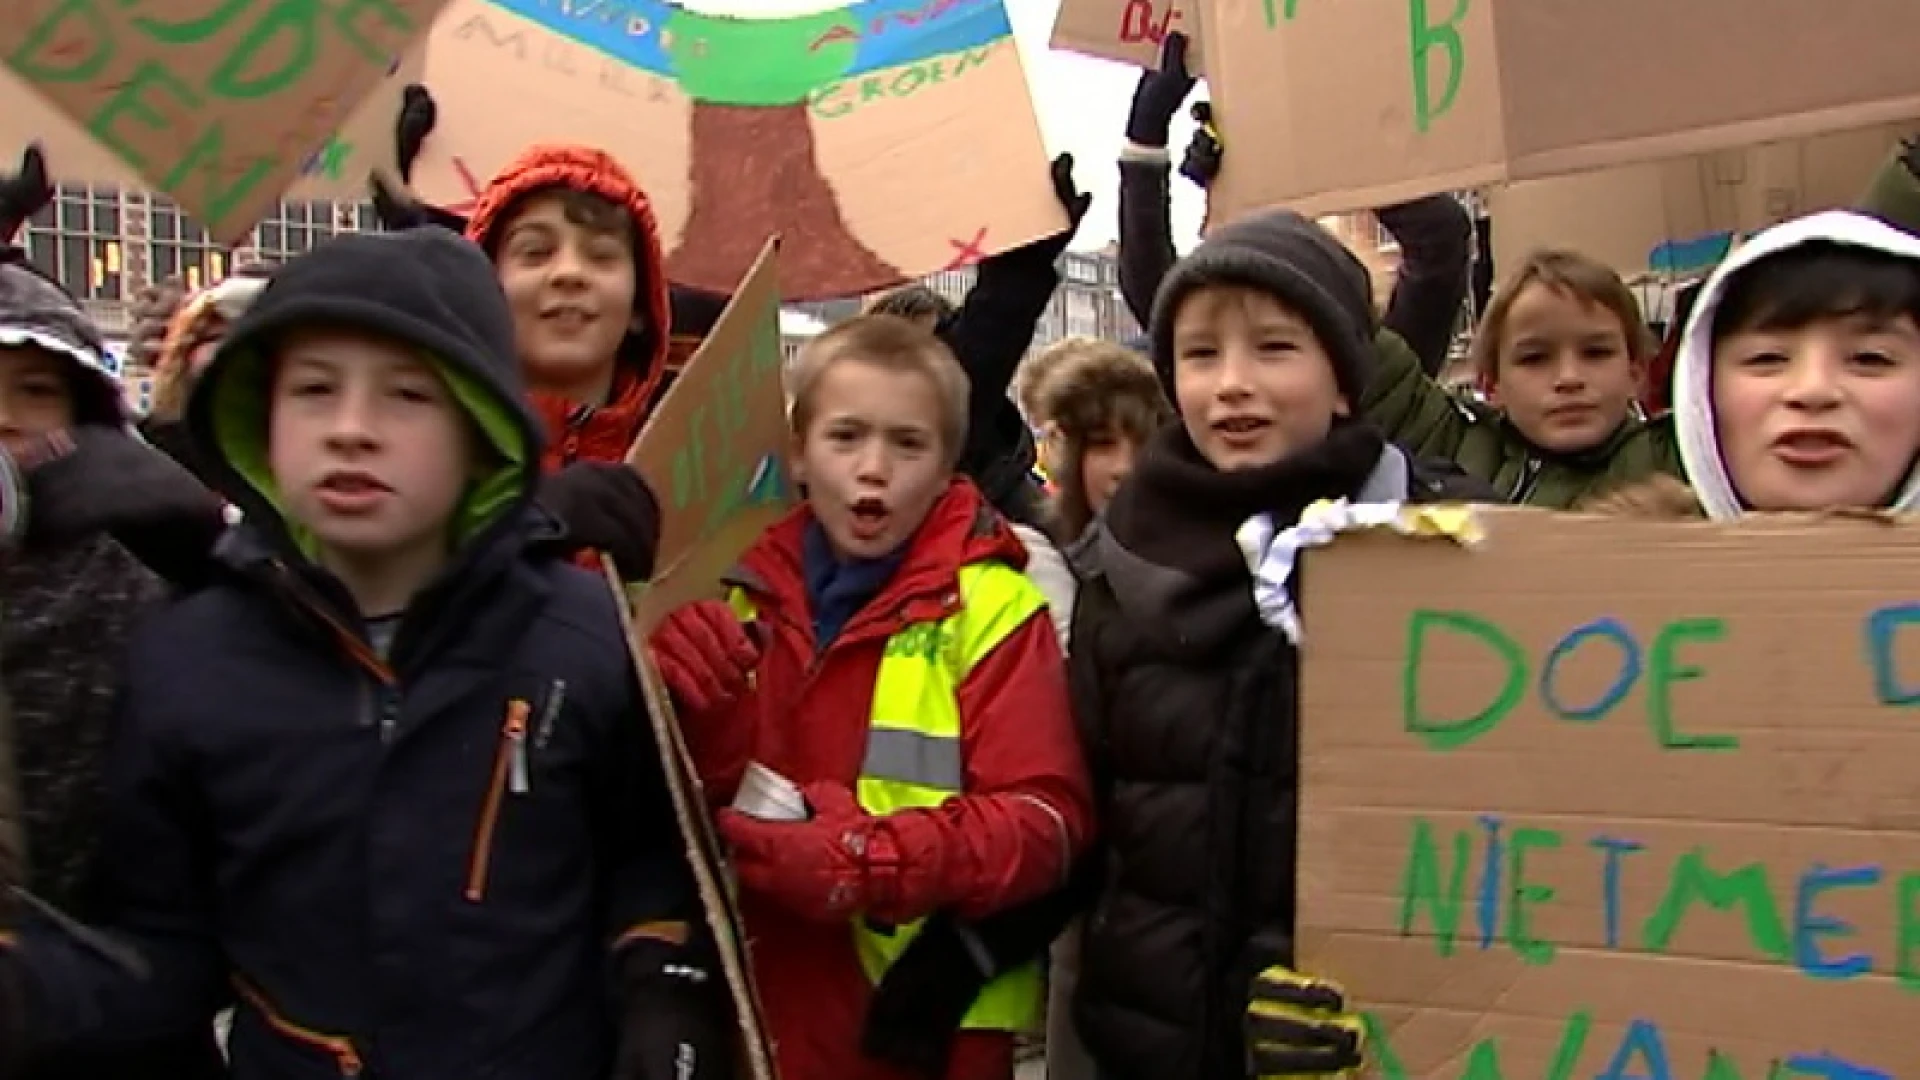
[{"x": 387, "y": 781}]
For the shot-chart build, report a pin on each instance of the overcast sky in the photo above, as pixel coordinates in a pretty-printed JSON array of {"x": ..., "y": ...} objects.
[{"x": 1082, "y": 104}]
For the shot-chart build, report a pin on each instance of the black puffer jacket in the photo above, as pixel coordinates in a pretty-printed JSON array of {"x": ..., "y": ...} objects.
[{"x": 1187, "y": 703}]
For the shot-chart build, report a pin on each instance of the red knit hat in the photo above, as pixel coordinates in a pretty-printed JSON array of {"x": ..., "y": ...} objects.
[{"x": 581, "y": 168}]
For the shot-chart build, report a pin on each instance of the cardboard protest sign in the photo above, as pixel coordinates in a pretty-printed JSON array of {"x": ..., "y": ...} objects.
[
  {"x": 1682, "y": 216},
  {"x": 718, "y": 899},
  {"x": 1617, "y": 799},
  {"x": 222, "y": 107},
  {"x": 1129, "y": 31},
  {"x": 881, "y": 140},
  {"x": 713, "y": 454},
  {"x": 337, "y": 170},
  {"x": 714, "y": 451},
  {"x": 1332, "y": 105}
]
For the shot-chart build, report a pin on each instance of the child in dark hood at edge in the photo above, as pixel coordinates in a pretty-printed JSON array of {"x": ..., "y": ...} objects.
[{"x": 71, "y": 590}]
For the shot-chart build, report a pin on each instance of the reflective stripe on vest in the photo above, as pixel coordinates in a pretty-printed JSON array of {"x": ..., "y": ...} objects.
[{"x": 914, "y": 759}]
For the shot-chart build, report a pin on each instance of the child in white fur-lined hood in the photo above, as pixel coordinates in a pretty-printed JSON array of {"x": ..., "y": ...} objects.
[{"x": 1797, "y": 384}]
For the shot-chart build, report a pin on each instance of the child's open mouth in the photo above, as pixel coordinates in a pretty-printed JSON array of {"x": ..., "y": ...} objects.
[
  {"x": 1811, "y": 448},
  {"x": 869, "y": 518},
  {"x": 1241, "y": 430},
  {"x": 351, "y": 491}
]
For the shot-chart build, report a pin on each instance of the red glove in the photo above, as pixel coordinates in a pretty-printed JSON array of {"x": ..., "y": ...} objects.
[
  {"x": 705, "y": 655},
  {"x": 823, "y": 869}
]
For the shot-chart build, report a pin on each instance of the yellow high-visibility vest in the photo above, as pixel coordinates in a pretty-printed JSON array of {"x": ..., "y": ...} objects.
[{"x": 914, "y": 757}]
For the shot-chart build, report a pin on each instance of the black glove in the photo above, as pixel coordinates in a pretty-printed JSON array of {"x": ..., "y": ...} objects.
[
  {"x": 606, "y": 507},
  {"x": 398, "y": 208},
  {"x": 418, "y": 115},
  {"x": 1202, "y": 162},
  {"x": 1298, "y": 1025},
  {"x": 97, "y": 479},
  {"x": 675, "y": 1019},
  {"x": 1047, "y": 250},
  {"x": 23, "y": 194},
  {"x": 1075, "y": 202},
  {"x": 917, "y": 1008},
  {"x": 1159, "y": 94}
]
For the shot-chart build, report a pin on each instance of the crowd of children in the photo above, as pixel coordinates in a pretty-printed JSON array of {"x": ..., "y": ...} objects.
[{"x": 325, "y": 720}]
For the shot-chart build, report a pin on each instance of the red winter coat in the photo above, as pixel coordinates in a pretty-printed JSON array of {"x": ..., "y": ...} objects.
[{"x": 809, "y": 723}]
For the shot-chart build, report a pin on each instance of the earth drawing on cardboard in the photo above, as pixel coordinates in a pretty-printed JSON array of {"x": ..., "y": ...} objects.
[{"x": 881, "y": 140}]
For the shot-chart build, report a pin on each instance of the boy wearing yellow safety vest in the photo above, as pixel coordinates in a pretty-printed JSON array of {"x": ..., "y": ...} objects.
[{"x": 881, "y": 649}]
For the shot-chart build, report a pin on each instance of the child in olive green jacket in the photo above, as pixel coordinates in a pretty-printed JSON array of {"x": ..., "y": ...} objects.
[{"x": 1561, "y": 355}]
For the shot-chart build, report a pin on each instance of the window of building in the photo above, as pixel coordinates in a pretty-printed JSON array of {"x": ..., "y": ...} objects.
[
  {"x": 181, "y": 247},
  {"x": 77, "y": 240},
  {"x": 1082, "y": 314},
  {"x": 82, "y": 239}
]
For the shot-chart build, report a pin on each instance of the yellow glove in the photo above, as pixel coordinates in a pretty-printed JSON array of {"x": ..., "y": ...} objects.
[{"x": 1299, "y": 1026}]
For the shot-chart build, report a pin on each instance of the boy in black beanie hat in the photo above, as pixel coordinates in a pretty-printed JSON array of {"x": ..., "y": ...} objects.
[
  {"x": 1297, "y": 265},
  {"x": 1262, "y": 339}
]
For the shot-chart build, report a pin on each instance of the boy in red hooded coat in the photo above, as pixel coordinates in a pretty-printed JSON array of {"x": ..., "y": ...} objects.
[
  {"x": 577, "y": 248},
  {"x": 882, "y": 651}
]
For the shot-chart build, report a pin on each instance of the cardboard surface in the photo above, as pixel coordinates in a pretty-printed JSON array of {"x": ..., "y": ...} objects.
[
  {"x": 1689, "y": 749},
  {"x": 1129, "y": 31},
  {"x": 719, "y": 900},
  {"x": 713, "y": 454},
  {"x": 1682, "y": 216},
  {"x": 1331, "y": 105},
  {"x": 337, "y": 170},
  {"x": 714, "y": 451},
  {"x": 836, "y": 131},
  {"x": 223, "y": 107}
]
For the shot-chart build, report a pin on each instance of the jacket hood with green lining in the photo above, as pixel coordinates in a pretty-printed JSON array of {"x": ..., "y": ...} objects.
[{"x": 426, "y": 288}]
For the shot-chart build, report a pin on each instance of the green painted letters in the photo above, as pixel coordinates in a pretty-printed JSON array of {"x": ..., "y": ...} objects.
[
  {"x": 1906, "y": 933},
  {"x": 289, "y": 30},
  {"x": 372, "y": 51},
  {"x": 1380, "y": 1052},
  {"x": 192, "y": 31},
  {"x": 85, "y": 68},
  {"x": 1420, "y": 884},
  {"x": 208, "y": 158},
  {"x": 1573, "y": 1043},
  {"x": 1440, "y": 734},
  {"x": 1664, "y": 669},
  {"x": 150, "y": 80},
  {"x": 1483, "y": 1061},
  {"x": 1425, "y": 35},
  {"x": 1694, "y": 882}
]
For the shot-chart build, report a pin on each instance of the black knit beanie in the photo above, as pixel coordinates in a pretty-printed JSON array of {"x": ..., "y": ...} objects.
[{"x": 1297, "y": 262}]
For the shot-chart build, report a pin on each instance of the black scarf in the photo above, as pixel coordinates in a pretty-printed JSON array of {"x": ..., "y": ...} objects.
[{"x": 1180, "y": 512}]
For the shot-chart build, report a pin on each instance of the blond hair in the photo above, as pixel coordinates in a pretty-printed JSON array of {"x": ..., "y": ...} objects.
[
  {"x": 1657, "y": 498},
  {"x": 1569, "y": 272},
  {"x": 889, "y": 343}
]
